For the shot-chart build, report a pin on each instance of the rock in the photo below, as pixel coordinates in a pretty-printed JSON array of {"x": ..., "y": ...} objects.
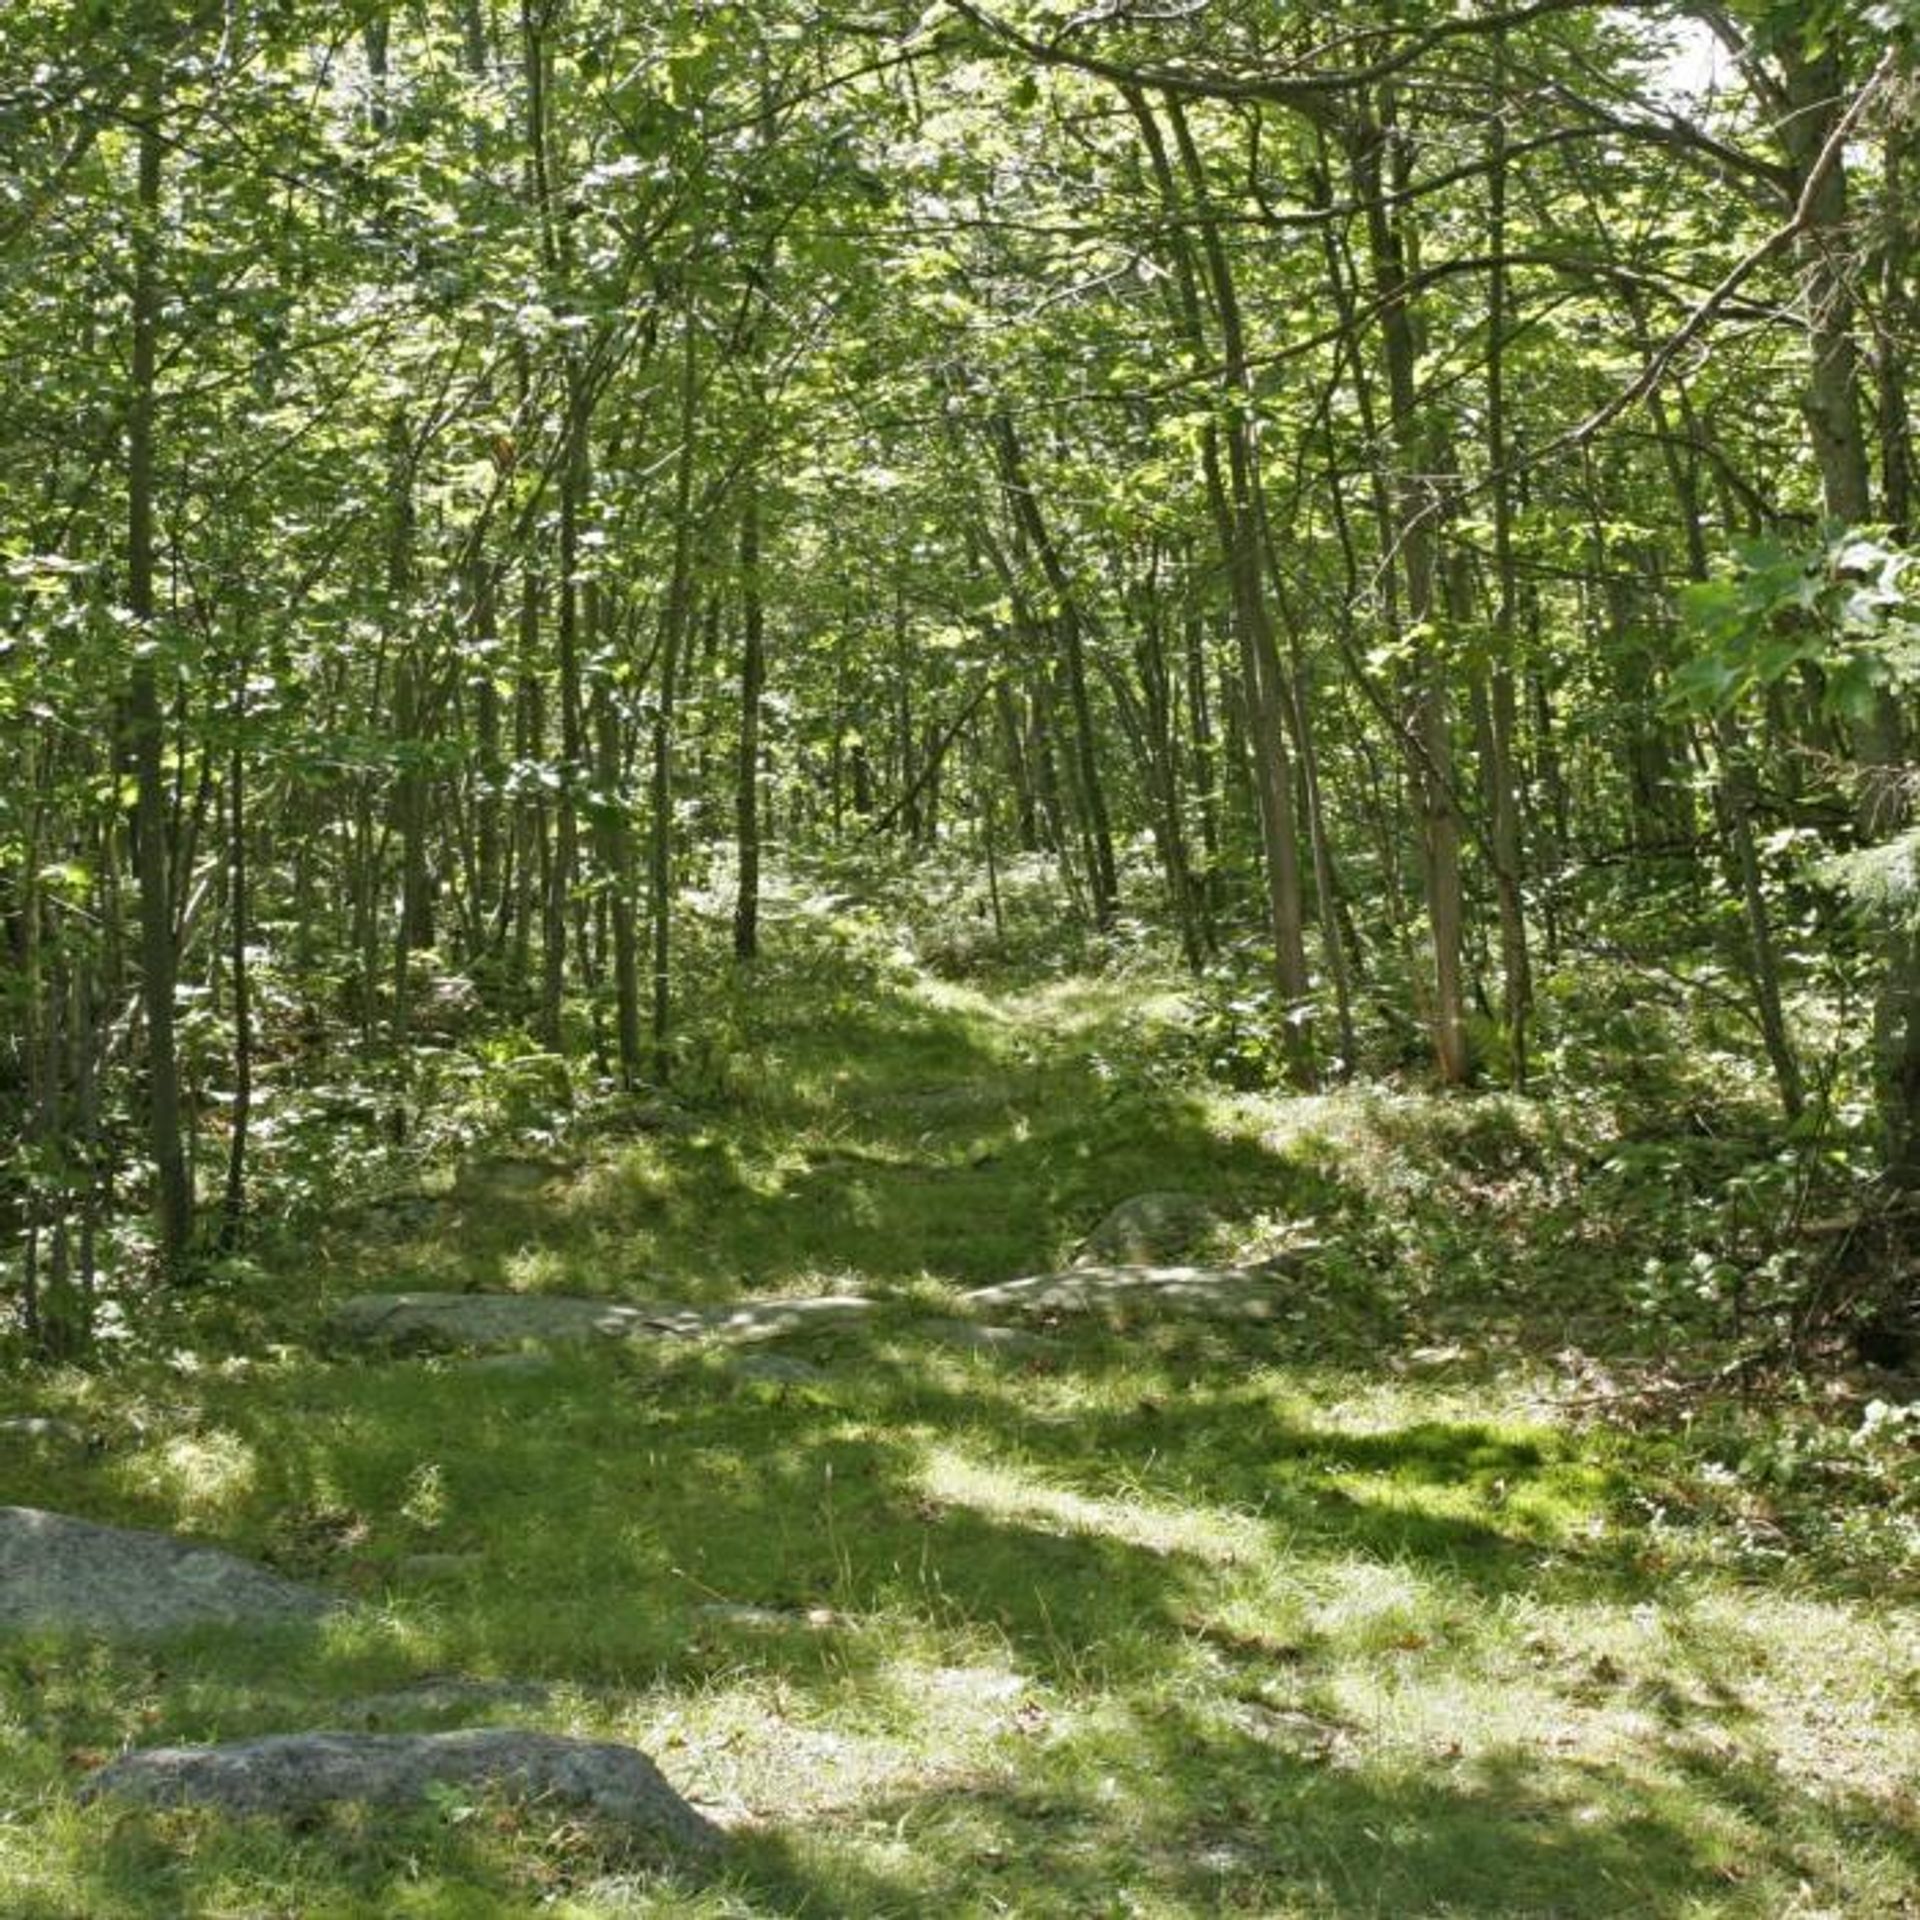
[
  {"x": 452, "y": 1320},
  {"x": 298, "y": 1774},
  {"x": 759, "y": 1319},
  {"x": 445, "y": 1694},
  {"x": 969, "y": 1336},
  {"x": 1221, "y": 1293},
  {"x": 33, "y": 1426},
  {"x": 62, "y": 1573},
  {"x": 1149, "y": 1227}
]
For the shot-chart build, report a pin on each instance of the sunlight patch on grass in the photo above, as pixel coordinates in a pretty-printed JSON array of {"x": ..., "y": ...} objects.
[
  {"x": 198, "y": 1476},
  {"x": 1370, "y": 1605},
  {"x": 535, "y": 1270},
  {"x": 1004, "y": 1492}
]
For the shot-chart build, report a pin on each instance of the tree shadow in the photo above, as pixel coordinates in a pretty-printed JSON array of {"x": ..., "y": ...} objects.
[{"x": 1212, "y": 1820}]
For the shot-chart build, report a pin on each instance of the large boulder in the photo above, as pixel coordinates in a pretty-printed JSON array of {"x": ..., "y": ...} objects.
[
  {"x": 1220, "y": 1293},
  {"x": 969, "y": 1336},
  {"x": 71, "y": 1575},
  {"x": 455, "y": 1320},
  {"x": 451, "y": 1320},
  {"x": 1149, "y": 1227},
  {"x": 298, "y": 1774}
]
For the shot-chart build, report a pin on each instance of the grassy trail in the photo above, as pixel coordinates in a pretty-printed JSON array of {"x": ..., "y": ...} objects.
[{"x": 1339, "y": 1614}]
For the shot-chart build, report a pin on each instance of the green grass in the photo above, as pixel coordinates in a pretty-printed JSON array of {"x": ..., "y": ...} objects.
[{"x": 1343, "y": 1614}]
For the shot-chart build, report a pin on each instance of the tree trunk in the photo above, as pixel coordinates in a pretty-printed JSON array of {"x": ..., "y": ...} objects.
[
  {"x": 154, "y": 854},
  {"x": 1069, "y": 626},
  {"x": 1416, "y": 505},
  {"x": 1236, "y": 503},
  {"x": 678, "y": 613},
  {"x": 753, "y": 677}
]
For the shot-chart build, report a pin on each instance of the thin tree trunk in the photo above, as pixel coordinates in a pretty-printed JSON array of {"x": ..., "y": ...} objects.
[
  {"x": 753, "y": 679},
  {"x": 234, "y": 1205},
  {"x": 1069, "y": 626},
  {"x": 158, "y": 956},
  {"x": 1415, "y": 507},
  {"x": 1502, "y": 778},
  {"x": 679, "y": 608},
  {"x": 1236, "y": 506}
]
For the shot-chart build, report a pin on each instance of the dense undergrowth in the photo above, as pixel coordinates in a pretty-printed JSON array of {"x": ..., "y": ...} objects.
[{"x": 1511, "y": 1569}]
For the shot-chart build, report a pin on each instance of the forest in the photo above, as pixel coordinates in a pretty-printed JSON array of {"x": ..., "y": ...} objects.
[{"x": 959, "y": 959}]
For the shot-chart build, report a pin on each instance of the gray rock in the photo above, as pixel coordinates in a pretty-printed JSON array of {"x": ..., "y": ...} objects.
[
  {"x": 300, "y": 1773},
  {"x": 749, "y": 1320},
  {"x": 1220, "y": 1293},
  {"x": 969, "y": 1336},
  {"x": 1149, "y": 1227},
  {"x": 452, "y": 1320},
  {"x": 62, "y": 1573}
]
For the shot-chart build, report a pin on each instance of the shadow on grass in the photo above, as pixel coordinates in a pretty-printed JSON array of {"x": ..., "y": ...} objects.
[
  {"x": 1208, "y": 1821},
  {"x": 889, "y": 1140},
  {"x": 1114, "y": 1513},
  {"x": 614, "y": 1502}
]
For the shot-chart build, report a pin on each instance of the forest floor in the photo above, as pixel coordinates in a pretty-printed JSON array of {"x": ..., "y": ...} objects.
[{"x": 1415, "y": 1600}]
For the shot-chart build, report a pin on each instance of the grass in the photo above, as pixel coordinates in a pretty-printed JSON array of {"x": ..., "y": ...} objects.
[{"x": 1349, "y": 1613}]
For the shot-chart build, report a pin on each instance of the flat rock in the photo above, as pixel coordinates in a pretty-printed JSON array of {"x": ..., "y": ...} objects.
[
  {"x": 749, "y": 1320},
  {"x": 62, "y": 1573},
  {"x": 452, "y": 1320},
  {"x": 1148, "y": 1227},
  {"x": 481, "y": 1319},
  {"x": 1220, "y": 1293},
  {"x": 970, "y": 1336},
  {"x": 298, "y": 1774}
]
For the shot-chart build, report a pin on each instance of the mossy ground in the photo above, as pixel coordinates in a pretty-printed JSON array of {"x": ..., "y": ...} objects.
[{"x": 1356, "y": 1612}]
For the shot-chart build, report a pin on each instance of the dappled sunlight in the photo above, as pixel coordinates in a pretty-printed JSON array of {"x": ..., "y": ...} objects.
[
  {"x": 1004, "y": 1492},
  {"x": 1294, "y": 1615},
  {"x": 194, "y": 1477}
]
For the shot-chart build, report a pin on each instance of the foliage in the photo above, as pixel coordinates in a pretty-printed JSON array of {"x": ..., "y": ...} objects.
[{"x": 1841, "y": 608}]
